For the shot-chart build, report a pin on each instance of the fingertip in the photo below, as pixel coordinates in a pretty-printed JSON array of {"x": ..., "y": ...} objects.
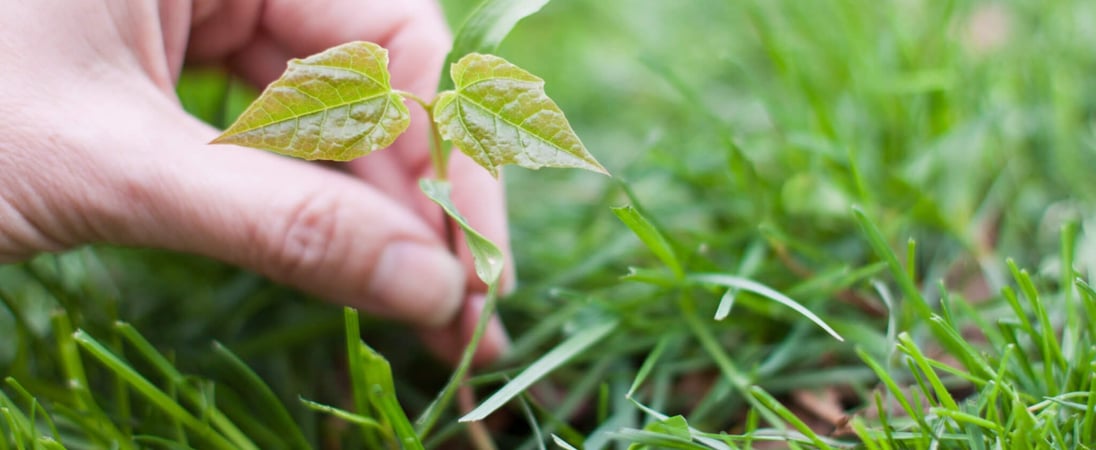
[{"x": 418, "y": 283}]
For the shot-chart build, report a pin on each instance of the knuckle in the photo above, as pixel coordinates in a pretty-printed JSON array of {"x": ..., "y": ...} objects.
[
  {"x": 19, "y": 237},
  {"x": 32, "y": 212},
  {"x": 306, "y": 236}
]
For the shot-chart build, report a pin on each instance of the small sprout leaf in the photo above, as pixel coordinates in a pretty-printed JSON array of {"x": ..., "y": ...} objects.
[
  {"x": 499, "y": 114},
  {"x": 335, "y": 105},
  {"x": 487, "y": 257}
]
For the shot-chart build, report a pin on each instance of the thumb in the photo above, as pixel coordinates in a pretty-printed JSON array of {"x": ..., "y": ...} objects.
[{"x": 298, "y": 223}]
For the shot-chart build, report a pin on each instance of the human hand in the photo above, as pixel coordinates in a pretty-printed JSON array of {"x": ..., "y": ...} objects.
[{"x": 94, "y": 147}]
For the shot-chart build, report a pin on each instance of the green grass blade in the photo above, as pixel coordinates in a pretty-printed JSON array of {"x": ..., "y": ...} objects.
[
  {"x": 726, "y": 302},
  {"x": 378, "y": 375},
  {"x": 1088, "y": 426},
  {"x": 19, "y": 426},
  {"x": 962, "y": 417},
  {"x": 484, "y": 30},
  {"x": 740, "y": 381},
  {"x": 149, "y": 352},
  {"x": 884, "y": 251},
  {"x": 538, "y": 435},
  {"x": 562, "y": 443},
  {"x": 892, "y": 387},
  {"x": 35, "y": 407},
  {"x": 651, "y": 237},
  {"x": 157, "y": 397},
  {"x": 178, "y": 381},
  {"x": 345, "y": 415},
  {"x": 1072, "y": 332},
  {"x": 764, "y": 291},
  {"x": 155, "y": 441},
  {"x": 358, "y": 381},
  {"x": 866, "y": 438},
  {"x": 700, "y": 437},
  {"x": 555, "y": 358},
  {"x": 770, "y": 403},
  {"x": 78, "y": 382},
  {"x": 269, "y": 402},
  {"x": 1088, "y": 300},
  {"x": 649, "y": 364},
  {"x": 943, "y": 395},
  {"x": 652, "y": 439},
  {"x": 1048, "y": 342}
]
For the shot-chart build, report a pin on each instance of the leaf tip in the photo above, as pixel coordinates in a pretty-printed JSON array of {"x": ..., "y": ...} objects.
[
  {"x": 598, "y": 168},
  {"x": 223, "y": 138}
]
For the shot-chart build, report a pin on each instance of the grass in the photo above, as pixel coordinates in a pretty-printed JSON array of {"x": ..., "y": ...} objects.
[{"x": 915, "y": 174}]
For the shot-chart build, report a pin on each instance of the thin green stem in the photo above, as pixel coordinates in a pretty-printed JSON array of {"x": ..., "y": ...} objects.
[
  {"x": 430, "y": 417},
  {"x": 437, "y": 152},
  {"x": 440, "y": 159}
]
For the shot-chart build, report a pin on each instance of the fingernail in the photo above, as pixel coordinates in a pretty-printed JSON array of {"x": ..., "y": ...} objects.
[{"x": 421, "y": 284}]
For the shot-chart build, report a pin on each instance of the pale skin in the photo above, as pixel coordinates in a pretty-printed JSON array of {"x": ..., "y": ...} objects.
[{"x": 94, "y": 147}]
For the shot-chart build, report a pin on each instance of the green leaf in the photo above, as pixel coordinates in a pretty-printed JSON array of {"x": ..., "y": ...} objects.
[
  {"x": 541, "y": 367},
  {"x": 335, "y": 105},
  {"x": 485, "y": 28},
  {"x": 499, "y": 114},
  {"x": 487, "y": 257}
]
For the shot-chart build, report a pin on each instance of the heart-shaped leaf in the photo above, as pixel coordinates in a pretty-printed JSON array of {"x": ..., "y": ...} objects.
[
  {"x": 335, "y": 105},
  {"x": 499, "y": 114}
]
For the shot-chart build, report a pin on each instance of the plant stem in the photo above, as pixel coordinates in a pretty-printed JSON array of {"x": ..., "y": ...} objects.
[
  {"x": 433, "y": 412},
  {"x": 438, "y": 156}
]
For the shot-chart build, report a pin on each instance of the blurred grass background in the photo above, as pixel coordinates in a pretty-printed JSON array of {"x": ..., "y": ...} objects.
[{"x": 746, "y": 130}]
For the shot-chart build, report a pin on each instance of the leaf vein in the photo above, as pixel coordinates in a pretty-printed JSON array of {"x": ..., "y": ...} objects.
[
  {"x": 307, "y": 113},
  {"x": 546, "y": 140},
  {"x": 467, "y": 129},
  {"x": 322, "y": 67}
]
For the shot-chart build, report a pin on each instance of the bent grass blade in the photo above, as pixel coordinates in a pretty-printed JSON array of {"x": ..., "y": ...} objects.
[{"x": 744, "y": 284}]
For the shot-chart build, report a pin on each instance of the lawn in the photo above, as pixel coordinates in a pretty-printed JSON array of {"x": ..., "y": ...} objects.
[{"x": 832, "y": 224}]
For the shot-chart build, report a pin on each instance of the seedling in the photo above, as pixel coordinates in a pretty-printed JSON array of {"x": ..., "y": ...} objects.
[{"x": 338, "y": 105}]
